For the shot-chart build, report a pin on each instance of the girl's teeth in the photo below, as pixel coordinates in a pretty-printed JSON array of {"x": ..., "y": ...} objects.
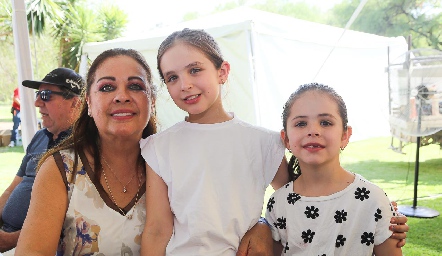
[{"x": 192, "y": 97}]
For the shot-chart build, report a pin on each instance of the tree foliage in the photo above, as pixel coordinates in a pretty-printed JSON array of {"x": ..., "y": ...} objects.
[
  {"x": 80, "y": 27},
  {"x": 58, "y": 31},
  {"x": 113, "y": 22},
  {"x": 419, "y": 18},
  {"x": 5, "y": 19}
]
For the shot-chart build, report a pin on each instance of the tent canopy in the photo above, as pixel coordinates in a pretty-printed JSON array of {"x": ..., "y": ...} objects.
[{"x": 271, "y": 55}]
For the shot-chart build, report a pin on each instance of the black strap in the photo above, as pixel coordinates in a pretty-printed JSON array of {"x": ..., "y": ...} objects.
[{"x": 60, "y": 165}]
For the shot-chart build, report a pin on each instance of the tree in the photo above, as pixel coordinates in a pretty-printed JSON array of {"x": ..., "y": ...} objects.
[
  {"x": 5, "y": 19},
  {"x": 113, "y": 22},
  {"x": 419, "y": 18},
  {"x": 78, "y": 27},
  {"x": 58, "y": 29}
]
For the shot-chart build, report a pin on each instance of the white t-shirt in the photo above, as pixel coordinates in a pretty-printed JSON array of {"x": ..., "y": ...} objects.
[
  {"x": 349, "y": 222},
  {"x": 216, "y": 175}
]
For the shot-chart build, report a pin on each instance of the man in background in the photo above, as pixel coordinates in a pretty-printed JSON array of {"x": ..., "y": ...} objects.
[
  {"x": 15, "y": 110},
  {"x": 58, "y": 100}
]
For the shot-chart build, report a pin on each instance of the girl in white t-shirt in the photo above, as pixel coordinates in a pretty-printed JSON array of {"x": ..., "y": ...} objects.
[
  {"x": 207, "y": 175},
  {"x": 326, "y": 210}
]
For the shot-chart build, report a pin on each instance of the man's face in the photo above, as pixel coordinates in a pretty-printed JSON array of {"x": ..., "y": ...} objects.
[{"x": 56, "y": 113}]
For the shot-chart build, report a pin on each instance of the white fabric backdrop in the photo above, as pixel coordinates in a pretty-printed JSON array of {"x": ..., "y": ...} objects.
[{"x": 271, "y": 55}]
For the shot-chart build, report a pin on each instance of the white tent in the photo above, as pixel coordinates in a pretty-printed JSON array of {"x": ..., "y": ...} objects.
[{"x": 271, "y": 55}]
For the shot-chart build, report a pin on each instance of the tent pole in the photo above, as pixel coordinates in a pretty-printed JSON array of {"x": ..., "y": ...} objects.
[{"x": 24, "y": 68}]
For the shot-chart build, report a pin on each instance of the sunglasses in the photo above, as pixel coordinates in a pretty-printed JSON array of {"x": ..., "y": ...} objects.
[{"x": 45, "y": 95}]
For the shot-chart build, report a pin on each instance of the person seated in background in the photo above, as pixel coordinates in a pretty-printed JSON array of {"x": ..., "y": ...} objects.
[{"x": 57, "y": 98}]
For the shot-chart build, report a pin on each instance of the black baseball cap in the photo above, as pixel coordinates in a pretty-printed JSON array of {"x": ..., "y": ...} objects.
[{"x": 63, "y": 77}]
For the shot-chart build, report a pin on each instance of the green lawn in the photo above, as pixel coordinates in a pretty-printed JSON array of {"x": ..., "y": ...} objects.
[
  {"x": 373, "y": 159},
  {"x": 10, "y": 160},
  {"x": 5, "y": 113}
]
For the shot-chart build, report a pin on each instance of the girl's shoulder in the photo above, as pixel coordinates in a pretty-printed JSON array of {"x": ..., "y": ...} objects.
[
  {"x": 284, "y": 190},
  {"x": 364, "y": 185}
]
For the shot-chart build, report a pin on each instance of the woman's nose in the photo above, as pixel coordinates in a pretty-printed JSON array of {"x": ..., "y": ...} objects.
[{"x": 122, "y": 96}]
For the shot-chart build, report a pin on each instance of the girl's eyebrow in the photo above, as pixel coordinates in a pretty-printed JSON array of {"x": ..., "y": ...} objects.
[
  {"x": 327, "y": 115},
  {"x": 193, "y": 64},
  {"x": 320, "y": 115}
]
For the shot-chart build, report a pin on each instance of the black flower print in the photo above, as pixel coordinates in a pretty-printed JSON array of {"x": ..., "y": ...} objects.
[
  {"x": 292, "y": 198},
  {"x": 340, "y": 241},
  {"x": 367, "y": 238},
  {"x": 308, "y": 236},
  {"x": 378, "y": 215},
  {"x": 281, "y": 223},
  {"x": 286, "y": 247},
  {"x": 362, "y": 194},
  {"x": 340, "y": 216},
  {"x": 270, "y": 204},
  {"x": 311, "y": 212}
]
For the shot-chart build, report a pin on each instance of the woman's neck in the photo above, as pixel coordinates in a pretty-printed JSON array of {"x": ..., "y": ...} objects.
[{"x": 120, "y": 150}]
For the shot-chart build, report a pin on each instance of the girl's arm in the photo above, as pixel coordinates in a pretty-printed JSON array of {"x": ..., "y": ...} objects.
[
  {"x": 387, "y": 248},
  {"x": 159, "y": 217},
  {"x": 46, "y": 213},
  {"x": 282, "y": 175}
]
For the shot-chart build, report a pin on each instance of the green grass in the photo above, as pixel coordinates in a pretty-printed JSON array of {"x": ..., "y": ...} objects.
[
  {"x": 373, "y": 159},
  {"x": 10, "y": 160},
  {"x": 5, "y": 113},
  {"x": 423, "y": 237}
]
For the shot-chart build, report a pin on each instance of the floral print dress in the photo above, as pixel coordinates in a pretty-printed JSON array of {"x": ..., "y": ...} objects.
[{"x": 93, "y": 225}]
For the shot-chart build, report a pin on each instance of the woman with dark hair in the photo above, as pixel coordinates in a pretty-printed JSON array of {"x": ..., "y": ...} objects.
[{"x": 88, "y": 197}]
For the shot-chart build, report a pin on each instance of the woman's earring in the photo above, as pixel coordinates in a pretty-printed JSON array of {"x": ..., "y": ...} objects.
[
  {"x": 89, "y": 111},
  {"x": 342, "y": 148},
  {"x": 222, "y": 81}
]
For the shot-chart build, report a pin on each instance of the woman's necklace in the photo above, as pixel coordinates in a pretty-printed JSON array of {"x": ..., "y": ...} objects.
[
  {"x": 124, "y": 186},
  {"x": 128, "y": 216}
]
